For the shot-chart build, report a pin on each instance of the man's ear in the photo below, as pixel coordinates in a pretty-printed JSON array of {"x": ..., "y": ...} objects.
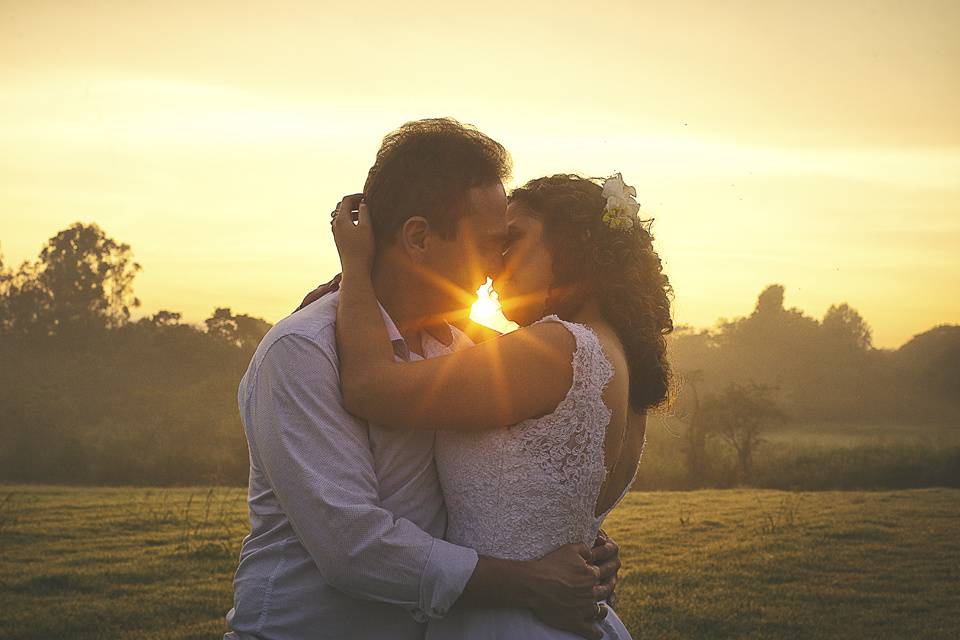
[{"x": 413, "y": 237}]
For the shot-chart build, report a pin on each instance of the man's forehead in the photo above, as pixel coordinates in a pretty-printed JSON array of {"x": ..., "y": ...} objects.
[{"x": 488, "y": 197}]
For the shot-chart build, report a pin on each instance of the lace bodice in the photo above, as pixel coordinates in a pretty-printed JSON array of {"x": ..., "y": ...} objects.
[{"x": 522, "y": 491}]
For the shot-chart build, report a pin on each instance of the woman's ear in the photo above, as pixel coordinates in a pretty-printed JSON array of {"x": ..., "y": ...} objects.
[{"x": 413, "y": 237}]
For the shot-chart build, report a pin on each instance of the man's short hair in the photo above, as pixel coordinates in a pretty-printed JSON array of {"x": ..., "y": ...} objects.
[{"x": 425, "y": 168}]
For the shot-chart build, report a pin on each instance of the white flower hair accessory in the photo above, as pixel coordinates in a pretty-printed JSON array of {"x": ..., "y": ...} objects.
[{"x": 621, "y": 210}]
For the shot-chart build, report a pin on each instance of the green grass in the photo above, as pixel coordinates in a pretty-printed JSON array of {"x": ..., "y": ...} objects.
[{"x": 131, "y": 563}]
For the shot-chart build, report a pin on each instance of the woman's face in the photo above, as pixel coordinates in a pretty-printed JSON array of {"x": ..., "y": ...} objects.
[{"x": 524, "y": 284}]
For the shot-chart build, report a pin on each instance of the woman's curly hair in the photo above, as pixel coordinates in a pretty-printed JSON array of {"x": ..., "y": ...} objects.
[{"x": 619, "y": 267}]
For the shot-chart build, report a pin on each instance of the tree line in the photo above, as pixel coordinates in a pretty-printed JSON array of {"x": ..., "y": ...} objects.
[
  {"x": 89, "y": 395},
  {"x": 777, "y": 365}
]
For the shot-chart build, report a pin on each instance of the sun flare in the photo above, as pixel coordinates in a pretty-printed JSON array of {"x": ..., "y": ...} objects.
[{"x": 487, "y": 311}]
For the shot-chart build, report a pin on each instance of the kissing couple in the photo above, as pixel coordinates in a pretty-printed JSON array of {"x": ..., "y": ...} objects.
[{"x": 407, "y": 482}]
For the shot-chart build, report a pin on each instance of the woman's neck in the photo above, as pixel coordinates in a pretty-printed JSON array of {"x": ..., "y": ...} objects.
[{"x": 588, "y": 313}]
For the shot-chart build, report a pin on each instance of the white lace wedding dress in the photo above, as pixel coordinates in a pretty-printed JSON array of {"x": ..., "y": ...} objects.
[{"x": 521, "y": 492}]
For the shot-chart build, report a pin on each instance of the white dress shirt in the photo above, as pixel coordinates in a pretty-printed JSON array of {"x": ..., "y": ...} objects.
[{"x": 347, "y": 518}]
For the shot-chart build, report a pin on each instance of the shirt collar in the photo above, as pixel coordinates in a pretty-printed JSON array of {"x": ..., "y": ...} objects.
[
  {"x": 392, "y": 332},
  {"x": 400, "y": 348}
]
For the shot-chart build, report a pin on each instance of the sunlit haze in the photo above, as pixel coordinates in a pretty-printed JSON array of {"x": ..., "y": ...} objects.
[
  {"x": 487, "y": 310},
  {"x": 811, "y": 144}
]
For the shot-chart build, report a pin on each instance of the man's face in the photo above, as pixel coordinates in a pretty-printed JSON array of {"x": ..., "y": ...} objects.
[{"x": 461, "y": 264}]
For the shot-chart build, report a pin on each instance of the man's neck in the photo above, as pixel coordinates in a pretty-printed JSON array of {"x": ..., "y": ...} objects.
[{"x": 401, "y": 297}]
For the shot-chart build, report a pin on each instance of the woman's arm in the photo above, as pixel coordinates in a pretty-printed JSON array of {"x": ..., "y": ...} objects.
[{"x": 521, "y": 375}]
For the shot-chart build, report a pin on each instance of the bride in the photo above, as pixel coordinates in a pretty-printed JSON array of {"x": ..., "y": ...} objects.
[{"x": 544, "y": 426}]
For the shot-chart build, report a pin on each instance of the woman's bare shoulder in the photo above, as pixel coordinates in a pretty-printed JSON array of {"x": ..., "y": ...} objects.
[{"x": 551, "y": 337}]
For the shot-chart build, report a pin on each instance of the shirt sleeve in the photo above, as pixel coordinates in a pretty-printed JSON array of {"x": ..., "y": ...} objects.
[{"x": 318, "y": 460}]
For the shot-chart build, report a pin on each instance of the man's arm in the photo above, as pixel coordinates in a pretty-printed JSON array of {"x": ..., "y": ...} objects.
[{"x": 319, "y": 463}]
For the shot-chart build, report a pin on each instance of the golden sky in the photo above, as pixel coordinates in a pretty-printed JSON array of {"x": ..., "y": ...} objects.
[{"x": 814, "y": 144}]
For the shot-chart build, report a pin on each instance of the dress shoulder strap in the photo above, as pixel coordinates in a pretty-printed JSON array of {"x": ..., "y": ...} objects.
[{"x": 592, "y": 370}]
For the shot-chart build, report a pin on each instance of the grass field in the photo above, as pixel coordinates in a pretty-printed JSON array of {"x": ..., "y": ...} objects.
[{"x": 82, "y": 563}]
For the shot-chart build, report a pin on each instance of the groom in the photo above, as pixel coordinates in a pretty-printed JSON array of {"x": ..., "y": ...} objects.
[{"x": 347, "y": 518}]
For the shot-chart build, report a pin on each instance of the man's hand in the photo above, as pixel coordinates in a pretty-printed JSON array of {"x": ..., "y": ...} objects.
[
  {"x": 606, "y": 556},
  {"x": 564, "y": 588},
  {"x": 566, "y": 596},
  {"x": 320, "y": 291}
]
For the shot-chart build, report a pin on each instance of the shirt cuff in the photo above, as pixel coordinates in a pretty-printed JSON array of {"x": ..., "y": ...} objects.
[{"x": 445, "y": 575}]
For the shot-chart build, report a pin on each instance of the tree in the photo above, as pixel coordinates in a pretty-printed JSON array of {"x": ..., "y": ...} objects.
[
  {"x": 688, "y": 409},
  {"x": 163, "y": 318},
  {"x": 930, "y": 362},
  {"x": 774, "y": 345},
  {"x": 739, "y": 415},
  {"x": 241, "y": 331},
  {"x": 86, "y": 395},
  {"x": 845, "y": 327},
  {"x": 5, "y": 276},
  {"x": 24, "y": 303},
  {"x": 770, "y": 301},
  {"x": 82, "y": 280},
  {"x": 89, "y": 279}
]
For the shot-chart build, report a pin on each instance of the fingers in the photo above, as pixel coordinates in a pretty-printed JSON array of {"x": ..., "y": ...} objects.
[
  {"x": 585, "y": 552},
  {"x": 363, "y": 216},
  {"x": 596, "y": 612},
  {"x": 609, "y": 568},
  {"x": 585, "y": 623},
  {"x": 602, "y": 538},
  {"x": 349, "y": 203},
  {"x": 609, "y": 549},
  {"x": 607, "y": 558},
  {"x": 603, "y": 591},
  {"x": 331, "y": 284},
  {"x": 320, "y": 291},
  {"x": 344, "y": 211},
  {"x": 346, "y": 221},
  {"x": 602, "y": 611},
  {"x": 577, "y": 578}
]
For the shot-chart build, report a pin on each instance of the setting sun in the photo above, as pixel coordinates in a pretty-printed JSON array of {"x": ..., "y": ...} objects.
[{"x": 487, "y": 311}]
